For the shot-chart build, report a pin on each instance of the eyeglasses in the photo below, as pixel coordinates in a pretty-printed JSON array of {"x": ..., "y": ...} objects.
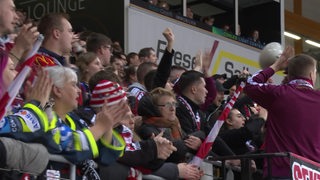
[
  {"x": 169, "y": 105},
  {"x": 108, "y": 47}
]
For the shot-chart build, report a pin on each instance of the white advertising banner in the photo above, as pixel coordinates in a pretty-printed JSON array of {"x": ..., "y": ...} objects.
[{"x": 231, "y": 57}]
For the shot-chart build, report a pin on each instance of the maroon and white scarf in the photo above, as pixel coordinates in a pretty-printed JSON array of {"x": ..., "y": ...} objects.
[
  {"x": 127, "y": 136},
  {"x": 207, "y": 143},
  {"x": 302, "y": 82},
  {"x": 195, "y": 117}
]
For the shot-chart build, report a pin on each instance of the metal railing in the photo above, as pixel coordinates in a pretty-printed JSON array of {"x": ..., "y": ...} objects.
[
  {"x": 61, "y": 159},
  {"x": 245, "y": 169}
]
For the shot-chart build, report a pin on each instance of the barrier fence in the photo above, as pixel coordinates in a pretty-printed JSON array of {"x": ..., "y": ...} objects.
[{"x": 301, "y": 167}]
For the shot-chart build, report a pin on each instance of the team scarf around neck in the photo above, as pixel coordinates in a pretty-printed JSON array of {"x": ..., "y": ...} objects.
[
  {"x": 195, "y": 116},
  {"x": 127, "y": 136},
  {"x": 208, "y": 142},
  {"x": 301, "y": 82}
]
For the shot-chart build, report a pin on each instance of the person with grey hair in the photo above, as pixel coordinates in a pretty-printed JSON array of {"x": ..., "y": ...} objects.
[{"x": 70, "y": 136}]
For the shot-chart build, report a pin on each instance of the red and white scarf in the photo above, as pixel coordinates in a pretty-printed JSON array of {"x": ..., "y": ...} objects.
[
  {"x": 127, "y": 136},
  {"x": 302, "y": 82},
  {"x": 195, "y": 116},
  {"x": 14, "y": 87},
  {"x": 207, "y": 144}
]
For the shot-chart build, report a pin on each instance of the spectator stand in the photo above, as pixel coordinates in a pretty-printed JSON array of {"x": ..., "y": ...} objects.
[{"x": 196, "y": 23}]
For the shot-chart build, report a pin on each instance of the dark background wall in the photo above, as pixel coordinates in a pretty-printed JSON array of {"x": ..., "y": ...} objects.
[
  {"x": 264, "y": 17},
  {"x": 104, "y": 16}
]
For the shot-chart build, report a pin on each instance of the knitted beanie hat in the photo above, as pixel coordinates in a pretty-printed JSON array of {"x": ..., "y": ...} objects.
[{"x": 107, "y": 90}]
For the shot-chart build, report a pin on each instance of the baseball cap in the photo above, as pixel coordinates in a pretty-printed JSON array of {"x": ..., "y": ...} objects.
[
  {"x": 220, "y": 88},
  {"x": 107, "y": 90}
]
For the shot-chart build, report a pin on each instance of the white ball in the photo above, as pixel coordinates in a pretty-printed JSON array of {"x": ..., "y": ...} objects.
[{"x": 269, "y": 54}]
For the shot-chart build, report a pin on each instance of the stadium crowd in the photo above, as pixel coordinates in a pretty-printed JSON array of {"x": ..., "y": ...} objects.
[{"x": 134, "y": 114}]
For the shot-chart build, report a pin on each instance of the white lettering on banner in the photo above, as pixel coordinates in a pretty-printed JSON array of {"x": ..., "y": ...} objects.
[
  {"x": 231, "y": 57},
  {"x": 230, "y": 70},
  {"x": 233, "y": 64},
  {"x": 38, "y": 9},
  {"x": 302, "y": 172},
  {"x": 179, "y": 58}
]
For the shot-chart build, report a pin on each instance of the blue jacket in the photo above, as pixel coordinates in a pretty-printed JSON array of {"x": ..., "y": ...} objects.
[
  {"x": 27, "y": 125},
  {"x": 73, "y": 140}
]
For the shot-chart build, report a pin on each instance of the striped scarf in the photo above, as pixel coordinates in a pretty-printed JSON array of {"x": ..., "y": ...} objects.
[{"x": 208, "y": 142}]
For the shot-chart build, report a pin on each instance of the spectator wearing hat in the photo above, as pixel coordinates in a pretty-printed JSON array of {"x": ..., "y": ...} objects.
[
  {"x": 221, "y": 92},
  {"x": 145, "y": 154},
  {"x": 233, "y": 80},
  {"x": 220, "y": 77},
  {"x": 86, "y": 112},
  {"x": 76, "y": 141},
  {"x": 106, "y": 90},
  {"x": 215, "y": 108}
]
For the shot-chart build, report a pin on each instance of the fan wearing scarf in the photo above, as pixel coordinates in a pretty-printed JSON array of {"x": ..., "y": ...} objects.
[
  {"x": 293, "y": 109},
  {"x": 158, "y": 111},
  {"x": 149, "y": 153}
]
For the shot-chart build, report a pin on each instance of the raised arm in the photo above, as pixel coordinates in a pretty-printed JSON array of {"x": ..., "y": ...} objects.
[
  {"x": 24, "y": 42},
  {"x": 164, "y": 67}
]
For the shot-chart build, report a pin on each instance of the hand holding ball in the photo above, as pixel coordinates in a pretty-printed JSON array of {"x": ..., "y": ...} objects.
[{"x": 269, "y": 54}]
